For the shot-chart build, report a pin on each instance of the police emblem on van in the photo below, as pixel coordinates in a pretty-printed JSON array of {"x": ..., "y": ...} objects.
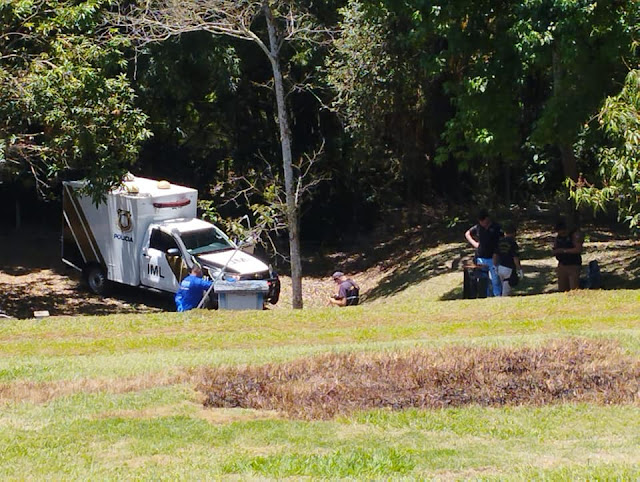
[{"x": 124, "y": 220}]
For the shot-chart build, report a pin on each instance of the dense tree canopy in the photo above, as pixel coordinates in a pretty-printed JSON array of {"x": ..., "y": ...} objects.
[
  {"x": 65, "y": 102},
  {"x": 488, "y": 85},
  {"x": 416, "y": 102}
]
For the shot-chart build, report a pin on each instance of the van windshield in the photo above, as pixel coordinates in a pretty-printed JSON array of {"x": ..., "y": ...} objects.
[{"x": 205, "y": 240}]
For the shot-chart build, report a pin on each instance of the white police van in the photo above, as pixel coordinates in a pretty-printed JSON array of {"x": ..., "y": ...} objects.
[{"x": 146, "y": 234}]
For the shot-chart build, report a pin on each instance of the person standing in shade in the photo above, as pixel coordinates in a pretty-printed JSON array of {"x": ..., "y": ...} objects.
[
  {"x": 484, "y": 237},
  {"x": 507, "y": 259},
  {"x": 567, "y": 249},
  {"x": 191, "y": 290},
  {"x": 348, "y": 291}
]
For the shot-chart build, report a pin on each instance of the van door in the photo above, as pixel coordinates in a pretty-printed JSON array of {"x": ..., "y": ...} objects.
[{"x": 160, "y": 268}]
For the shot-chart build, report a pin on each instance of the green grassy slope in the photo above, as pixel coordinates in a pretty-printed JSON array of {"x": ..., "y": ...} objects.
[{"x": 113, "y": 397}]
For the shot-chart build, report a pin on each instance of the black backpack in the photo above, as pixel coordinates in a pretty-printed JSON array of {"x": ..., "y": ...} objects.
[
  {"x": 353, "y": 294},
  {"x": 594, "y": 280}
]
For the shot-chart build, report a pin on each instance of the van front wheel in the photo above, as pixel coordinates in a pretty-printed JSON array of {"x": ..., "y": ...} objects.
[{"x": 96, "y": 279}]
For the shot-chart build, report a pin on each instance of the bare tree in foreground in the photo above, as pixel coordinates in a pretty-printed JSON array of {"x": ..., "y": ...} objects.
[{"x": 155, "y": 21}]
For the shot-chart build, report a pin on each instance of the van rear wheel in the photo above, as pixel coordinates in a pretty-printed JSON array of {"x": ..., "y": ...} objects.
[{"x": 96, "y": 279}]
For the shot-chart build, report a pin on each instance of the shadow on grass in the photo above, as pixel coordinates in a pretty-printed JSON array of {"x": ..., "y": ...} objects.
[
  {"x": 619, "y": 264},
  {"x": 417, "y": 269},
  {"x": 613, "y": 282},
  {"x": 537, "y": 280},
  {"x": 622, "y": 271},
  {"x": 74, "y": 299},
  {"x": 394, "y": 248},
  {"x": 33, "y": 278}
]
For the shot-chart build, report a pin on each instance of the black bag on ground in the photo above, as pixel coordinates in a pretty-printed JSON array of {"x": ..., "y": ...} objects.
[
  {"x": 475, "y": 283},
  {"x": 594, "y": 280}
]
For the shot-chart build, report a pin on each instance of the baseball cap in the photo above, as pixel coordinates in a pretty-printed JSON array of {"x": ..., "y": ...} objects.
[{"x": 337, "y": 274}]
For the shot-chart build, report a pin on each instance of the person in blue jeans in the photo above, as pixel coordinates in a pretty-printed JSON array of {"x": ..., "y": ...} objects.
[
  {"x": 484, "y": 237},
  {"x": 191, "y": 290}
]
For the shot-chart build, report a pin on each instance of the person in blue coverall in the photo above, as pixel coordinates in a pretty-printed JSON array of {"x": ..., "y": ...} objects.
[{"x": 191, "y": 290}]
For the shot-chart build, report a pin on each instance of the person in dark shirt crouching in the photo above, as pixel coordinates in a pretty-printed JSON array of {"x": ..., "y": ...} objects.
[{"x": 348, "y": 291}]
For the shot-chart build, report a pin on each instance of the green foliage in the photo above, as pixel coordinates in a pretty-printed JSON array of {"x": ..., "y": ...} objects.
[
  {"x": 619, "y": 172},
  {"x": 261, "y": 194},
  {"x": 191, "y": 88},
  {"x": 581, "y": 44},
  {"x": 531, "y": 74},
  {"x": 436, "y": 100},
  {"x": 65, "y": 102},
  {"x": 516, "y": 79},
  {"x": 362, "y": 94},
  {"x": 383, "y": 93}
]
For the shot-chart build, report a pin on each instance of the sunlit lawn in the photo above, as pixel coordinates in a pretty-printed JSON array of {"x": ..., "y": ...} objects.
[{"x": 113, "y": 397}]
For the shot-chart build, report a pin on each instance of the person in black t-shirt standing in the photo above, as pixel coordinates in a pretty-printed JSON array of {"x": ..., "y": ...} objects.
[
  {"x": 484, "y": 237},
  {"x": 507, "y": 258},
  {"x": 567, "y": 249}
]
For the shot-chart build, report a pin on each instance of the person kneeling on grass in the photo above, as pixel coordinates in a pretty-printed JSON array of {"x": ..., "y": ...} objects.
[
  {"x": 507, "y": 260},
  {"x": 348, "y": 291},
  {"x": 191, "y": 290}
]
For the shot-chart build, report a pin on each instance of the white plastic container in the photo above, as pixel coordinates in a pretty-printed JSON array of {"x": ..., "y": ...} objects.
[{"x": 241, "y": 295}]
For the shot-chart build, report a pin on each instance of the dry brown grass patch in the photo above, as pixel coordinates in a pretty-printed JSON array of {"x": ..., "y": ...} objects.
[{"x": 575, "y": 370}]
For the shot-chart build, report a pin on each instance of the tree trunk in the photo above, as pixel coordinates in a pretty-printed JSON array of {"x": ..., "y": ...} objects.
[
  {"x": 564, "y": 142},
  {"x": 565, "y": 146},
  {"x": 507, "y": 184},
  {"x": 569, "y": 164},
  {"x": 18, "y": 216},
  {"x": 285, "y": 141}
]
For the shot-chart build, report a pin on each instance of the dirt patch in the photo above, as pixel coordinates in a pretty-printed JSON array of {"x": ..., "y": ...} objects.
[
  {"x": 573, "y": 370},
  {"x": 33, "y": 278}
]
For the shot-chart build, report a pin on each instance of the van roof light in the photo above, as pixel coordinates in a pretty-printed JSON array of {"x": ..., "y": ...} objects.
[
  {"x": 172, "y": 204},
  {"x": 132, "y": 188}
]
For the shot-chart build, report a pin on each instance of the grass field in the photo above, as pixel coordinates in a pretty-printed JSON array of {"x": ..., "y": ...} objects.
[{"x": 112, "y": 397}]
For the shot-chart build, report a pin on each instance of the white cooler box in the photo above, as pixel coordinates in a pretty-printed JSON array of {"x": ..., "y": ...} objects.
[{"x": 241, "y": 295}]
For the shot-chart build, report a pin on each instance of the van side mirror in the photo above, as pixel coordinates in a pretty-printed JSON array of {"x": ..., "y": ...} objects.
[
  {"x": 248, "y": 247},
  {"x": 173, "y": 252}
]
